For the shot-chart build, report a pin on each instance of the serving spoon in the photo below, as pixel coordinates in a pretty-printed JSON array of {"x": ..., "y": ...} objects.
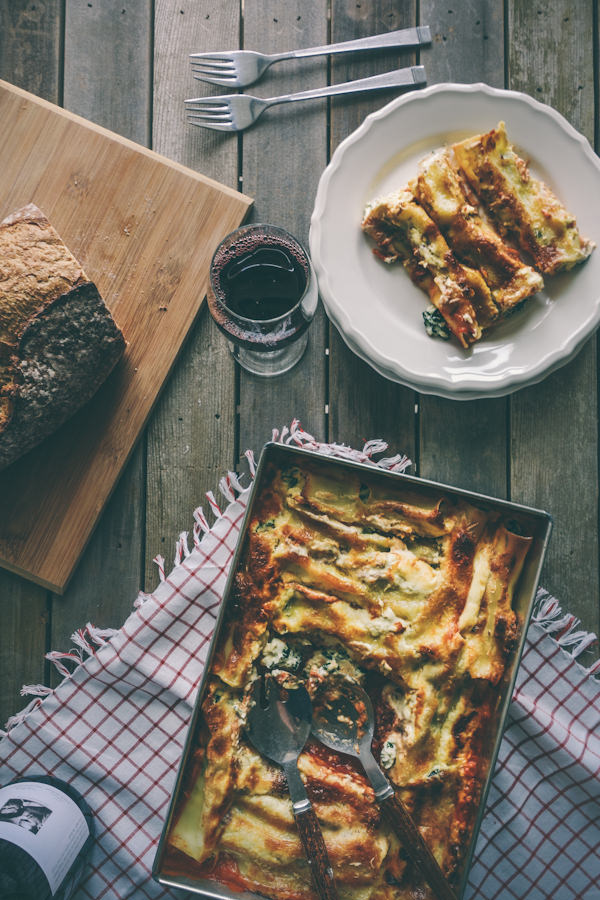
[
  {"x": 343, "y": 720},
  {"x": 279, "y": 726}
]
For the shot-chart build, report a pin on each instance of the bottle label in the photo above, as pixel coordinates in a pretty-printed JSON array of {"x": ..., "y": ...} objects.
[{"x": 44, "y": 822}]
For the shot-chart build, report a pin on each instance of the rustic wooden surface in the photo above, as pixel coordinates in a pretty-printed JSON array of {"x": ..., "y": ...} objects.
[
  {"x": 147, "y": 246},
  {"x": 124, "y": 65}
]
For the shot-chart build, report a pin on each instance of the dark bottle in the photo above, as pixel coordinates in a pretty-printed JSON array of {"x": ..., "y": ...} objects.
[{"x": 46, "y": 836}]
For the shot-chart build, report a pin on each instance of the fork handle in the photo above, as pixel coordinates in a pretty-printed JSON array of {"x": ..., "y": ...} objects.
[
  {"x": 404, "y": 37},
  {"x": 403, "y": 824},
  {"x": 398, "y": 78},
  {"x": 316, "y": 852}
]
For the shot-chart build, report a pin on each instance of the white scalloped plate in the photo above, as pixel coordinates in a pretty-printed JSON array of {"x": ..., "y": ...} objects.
[{"x": 376, "y": 307}]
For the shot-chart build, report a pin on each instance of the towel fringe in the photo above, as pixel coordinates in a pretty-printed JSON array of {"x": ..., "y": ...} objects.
[
  {"x": 547, "y": 614},
  {"x": 141, "y": 599},
  {"x": 297, "y": 435},
  {"x": 160, "y": 562},
  {"x": 22, "y": 715},
  {"x": 563, "y": 629},
  {"x": 251, "y": 462},
  {"x": 231, "y": 485},
  {"x": 182, "y": 550},
  {"x": 84, "y": 640},
  {"x": 35, "y": 690}
]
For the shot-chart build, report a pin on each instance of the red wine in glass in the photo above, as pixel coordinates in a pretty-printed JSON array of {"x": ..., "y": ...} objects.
[{"x": 263, "y": 296}]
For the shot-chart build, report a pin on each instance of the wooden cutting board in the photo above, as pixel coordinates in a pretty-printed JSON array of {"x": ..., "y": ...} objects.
[{"x": 144, "y": 229}]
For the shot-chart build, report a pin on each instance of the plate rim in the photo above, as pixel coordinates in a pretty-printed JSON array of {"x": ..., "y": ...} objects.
[{"x": 436, "y": 383}]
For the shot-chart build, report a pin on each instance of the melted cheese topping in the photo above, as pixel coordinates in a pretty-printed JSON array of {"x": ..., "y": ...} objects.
[
  {"x": 414, "y": 600},
  {"x": 403, "y": 230},
  {"x": 443, "y": 226},
  {"x": 522, "y": 207},
  {"x": 442, "y": 193}
]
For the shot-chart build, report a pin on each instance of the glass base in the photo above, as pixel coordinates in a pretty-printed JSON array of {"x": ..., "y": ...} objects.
[{"x": 270, "y": 362}]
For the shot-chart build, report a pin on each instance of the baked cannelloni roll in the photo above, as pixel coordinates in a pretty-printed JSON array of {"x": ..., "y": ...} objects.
[
  {"x": 410, "y": 596},
  {"x": 523, "y": 208},
  {"x": 441, "y": 191},
  {"x": 404, "y": 231}
]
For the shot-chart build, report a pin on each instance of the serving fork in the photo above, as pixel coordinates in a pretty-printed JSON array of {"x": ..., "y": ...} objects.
[
  {"x": 234, "y": 112},
  {"x": 343, "y": 719},
  {"x": 239, "y": 68}
]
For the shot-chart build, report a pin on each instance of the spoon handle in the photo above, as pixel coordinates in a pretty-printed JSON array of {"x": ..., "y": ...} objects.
[
  {"x": 316, "y": 853},
  {"x": 403, "y": 824},
  {"x": 310, "y": 834}
]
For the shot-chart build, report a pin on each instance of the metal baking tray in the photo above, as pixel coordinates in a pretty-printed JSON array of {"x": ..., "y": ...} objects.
[{"x": 538, "y": 524}]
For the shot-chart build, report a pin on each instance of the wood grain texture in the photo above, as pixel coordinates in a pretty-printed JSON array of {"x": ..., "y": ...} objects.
[
  {"x": 124, "y": 65},
  {"x": 147, "y": 243},
  {"x": 107, "y": 64},
  {"x": 316, "y": 854},
  {"x": 191, "y": 438},
  {"x": 467, "y": 41},
  {"x": 30, "y": 51},
  {"x": 464, "y": 443},
  {"x": 95, "y": 89},
  {"x": 554, "y": 425},
  {"x": 283, "y": 156},
  {"x": 362, "y": 404},
  {"x": 30, "y": 38}
]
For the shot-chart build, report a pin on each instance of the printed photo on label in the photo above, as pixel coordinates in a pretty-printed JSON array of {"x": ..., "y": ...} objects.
[{"x": 26, "y": 814}]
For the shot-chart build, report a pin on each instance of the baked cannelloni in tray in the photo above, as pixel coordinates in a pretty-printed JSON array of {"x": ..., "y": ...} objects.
[{"x": 420, "y": 592}]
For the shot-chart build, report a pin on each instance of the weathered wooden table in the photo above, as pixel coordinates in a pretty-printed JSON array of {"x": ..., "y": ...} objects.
[{"x": 125, "y": 66}]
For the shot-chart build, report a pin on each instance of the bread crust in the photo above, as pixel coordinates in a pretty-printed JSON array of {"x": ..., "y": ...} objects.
[{"x": 58, "y": 340}]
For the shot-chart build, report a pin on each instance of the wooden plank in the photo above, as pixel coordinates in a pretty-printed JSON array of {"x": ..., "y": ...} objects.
[
  {"x": 467, "y": 41},
  {"x": 554, "y": 438},
  {"x": 29, "y": 58},
  {"x": 464, "y": 442},
  {"x": 362, "y": 404},
  {"x": 146, "y": 240},
  {"x": 109, "y": 573},
  {"x": 283, "y": 156},
  {"x": 30, "y": 37},
  {"x": 107, "y": 65},
  {"x": 191, "y": 438}
]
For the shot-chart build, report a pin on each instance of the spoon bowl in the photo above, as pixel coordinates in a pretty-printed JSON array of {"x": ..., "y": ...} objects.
[{"x": 278, "y": 724}]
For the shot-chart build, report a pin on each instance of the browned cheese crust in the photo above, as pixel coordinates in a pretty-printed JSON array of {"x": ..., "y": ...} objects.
[
  {"x": 441, "y": 191},
  {"x": 58, "y": 341},
  {"x": 522, "y": 207},
  {"x": 403, "y": 230},
  {"x": 413, "y": 598},
  {"x": 459, "y": 225}
]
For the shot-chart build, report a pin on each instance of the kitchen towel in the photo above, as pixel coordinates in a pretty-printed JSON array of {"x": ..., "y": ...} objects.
[{"x": 116, "y": 725}]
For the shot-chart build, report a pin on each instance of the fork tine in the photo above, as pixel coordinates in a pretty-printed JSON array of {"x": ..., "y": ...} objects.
[
  {"x": 209, "y": 57},
  {"x": 215, "y": 126},
  {"x": 222, "y": 115},
  {"x": 222, "y": 74},
  {"x": 216, "y": 74},
  {"x": 208, "y": 65},
  {"x": 201, "y": 102},
  {"x": 204, "y": 115},
  {"x": 229, "y": 81}
]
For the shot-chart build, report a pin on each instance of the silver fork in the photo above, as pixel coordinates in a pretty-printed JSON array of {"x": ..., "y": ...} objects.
[
  {"x": 239, "y": 68},
  {"x": 234, "y": 112}
]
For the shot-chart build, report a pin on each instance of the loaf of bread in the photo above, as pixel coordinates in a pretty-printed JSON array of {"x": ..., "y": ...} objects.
[{"x": 58, "y": 341}]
